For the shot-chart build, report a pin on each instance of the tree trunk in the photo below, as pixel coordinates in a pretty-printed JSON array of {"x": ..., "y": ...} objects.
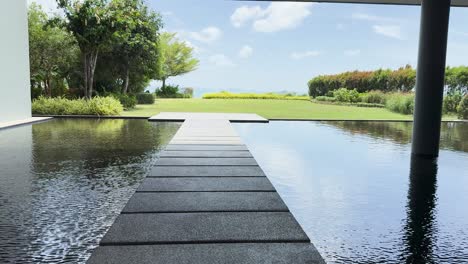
[
  {"x": 126, "y": 80},
  {"x": 89, "y": 64},
  {"x": 163, "y": 83},
  {"x": 47, "y": 89}
]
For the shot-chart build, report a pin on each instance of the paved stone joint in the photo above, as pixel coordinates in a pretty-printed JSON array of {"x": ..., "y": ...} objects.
[{"x": 206, "y": 200}]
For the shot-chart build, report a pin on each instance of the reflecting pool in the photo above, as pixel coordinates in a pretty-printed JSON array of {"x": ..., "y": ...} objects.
[
  {"x": 359, "y": 195},
  {"x": 63, "y": 182}
]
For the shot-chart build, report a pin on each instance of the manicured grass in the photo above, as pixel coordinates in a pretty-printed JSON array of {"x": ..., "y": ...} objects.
[{"x": 267, "y": 108}]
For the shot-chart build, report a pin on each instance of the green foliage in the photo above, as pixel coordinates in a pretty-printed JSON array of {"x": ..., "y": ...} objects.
[
  {"x": 132, "y": 59},
  {"x": 373, "y": 97},
  {"x": 145, "y": 98},
  {"x": 176, "y": 57},
  {"x": 101, "y": 106},
  {"x": 325, "y": 99},
  {"x": 53, "y": 54},
  {"x": 347, "y": 96},
  {"x": 456, "y": 79},
  {"x": 451, "y": 102},
  {"x": 385, "y": 80},
  {"x": 362, "y": 104},
  {"x": 187, "y": 92},
  {"x": 228, "y": 95},
  {"x": 127, "y": 101},
  {"x": 171, "y": 91},
  {"x": 462, "y": 108},
  {"x": 400, "y": 103}
]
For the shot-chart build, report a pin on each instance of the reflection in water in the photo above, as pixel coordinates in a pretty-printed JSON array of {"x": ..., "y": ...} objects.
[
  {"x": 63, "y": 182},
  {"x": 419, "y": 230},
  {"x": 453, "y": 135},
  {"x": 347, "y": 184}
]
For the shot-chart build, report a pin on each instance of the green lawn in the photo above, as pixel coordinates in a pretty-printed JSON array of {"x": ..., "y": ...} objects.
[{"x": 266, "y": 108}]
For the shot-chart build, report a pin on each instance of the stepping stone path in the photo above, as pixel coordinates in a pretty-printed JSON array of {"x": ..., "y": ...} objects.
[{"x": 206, "y": 201}]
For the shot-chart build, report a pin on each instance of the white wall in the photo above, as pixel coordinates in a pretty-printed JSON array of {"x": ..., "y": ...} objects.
[{"x": 15, "y": 102}]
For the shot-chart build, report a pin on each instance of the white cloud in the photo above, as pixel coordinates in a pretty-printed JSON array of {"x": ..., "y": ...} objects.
[
  {"x": 277, "y": 16},
  {"x": 207, "y": 35},
  {"x": 388, "y": 31},
  {"x": 167, "y": 13},
  {"x": 244, "y": 14},
  {"x": 245, "y": 52},
  {"x": 353, "y": 52},
  {"x": 301, "y": 55},
  {"x": 340, "y": 26},
  {"x": 221, "y": 60},
  {"x": 195, "y": 48},
  {"x": 368, "y": 17}
]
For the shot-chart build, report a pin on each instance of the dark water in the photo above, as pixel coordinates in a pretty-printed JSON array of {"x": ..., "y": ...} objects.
[
  {"x": 63, "y": 182},
  {"x": 358, "y": 194}
]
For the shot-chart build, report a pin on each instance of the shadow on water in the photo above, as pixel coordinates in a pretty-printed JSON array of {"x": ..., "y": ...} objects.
[{"x": 420, "y": 227}]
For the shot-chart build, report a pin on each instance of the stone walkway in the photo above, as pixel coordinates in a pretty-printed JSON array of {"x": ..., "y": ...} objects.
[{"x": 206, "y": 201}]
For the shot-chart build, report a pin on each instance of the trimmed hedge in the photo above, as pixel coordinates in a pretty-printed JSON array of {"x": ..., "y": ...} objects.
[
  {"x": 101, "y": 106},
  {"x": 271, "y": 96},
  {"x": 145, "y": 98}
]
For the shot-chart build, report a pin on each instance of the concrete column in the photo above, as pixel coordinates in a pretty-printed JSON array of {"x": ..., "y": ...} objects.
[
  {"x": 430, "y": 77},
  {"x": 15, "y": 95}
]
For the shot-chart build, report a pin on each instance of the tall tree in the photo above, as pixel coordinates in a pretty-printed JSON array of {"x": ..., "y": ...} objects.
[
  {"x": 53, "y": 51},
  {"x": 136, "y": 40},
  {"x": 93, "y": 23},
  {"x": 176, "y": 58}
]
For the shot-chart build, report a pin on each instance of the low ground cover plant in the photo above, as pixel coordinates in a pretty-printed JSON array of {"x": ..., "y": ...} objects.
[
  {"x": 273, "y": 96},
  {"x": 101, "y": 106}
]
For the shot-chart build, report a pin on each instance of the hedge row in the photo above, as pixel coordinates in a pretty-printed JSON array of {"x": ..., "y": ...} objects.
[
  {"x": 272, "y": 96},
  {"x": 101, "y": 106},
  {"x": 386, "y": 80},
  {"x": 396, "y": 102}
]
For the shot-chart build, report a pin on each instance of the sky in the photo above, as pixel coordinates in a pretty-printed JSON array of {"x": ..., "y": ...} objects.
[{"x": 248, "y": 46}]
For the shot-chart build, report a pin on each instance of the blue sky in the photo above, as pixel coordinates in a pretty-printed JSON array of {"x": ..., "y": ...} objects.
[{"x": 261, "y": 47}]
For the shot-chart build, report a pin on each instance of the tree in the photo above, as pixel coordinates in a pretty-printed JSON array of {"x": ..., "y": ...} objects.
[
  {"x": 93, "y": 23},
  {"x": 176, "y": 58},
  {"x": 135, "y": 46},
  {"x": 53, "y": 51}
]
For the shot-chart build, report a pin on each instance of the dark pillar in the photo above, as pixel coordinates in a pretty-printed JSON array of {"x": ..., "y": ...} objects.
[{"x": 430, "y": 77}]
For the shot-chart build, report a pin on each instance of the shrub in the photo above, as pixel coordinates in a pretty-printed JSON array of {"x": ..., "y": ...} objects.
[
  {"x": 347, "y": 96},
  {"x": 145, "y": 98},
  {"x": 187, "y": 92},
  {"x": 271, "y": 96},
  {"x": 373, "y": 97},
  {"x": 325, "y": 99},
  {"x": 127, "y": 101},
  {"x": 63, "y": 106},
  {"x": 451, "y": 102},
  {"x": 402, "y": 103},
  {"x": 462, "y": 108},
  {"x": 169, "y": 91}
]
